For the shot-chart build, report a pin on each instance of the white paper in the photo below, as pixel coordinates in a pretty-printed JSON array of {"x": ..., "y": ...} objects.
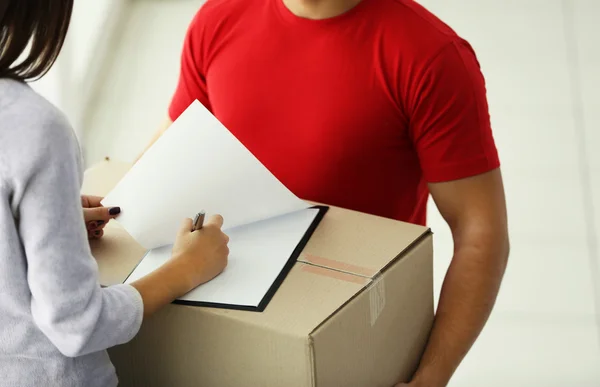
[
  {"x": 196, "y": 165},
  {"x": 258, "y": 253}
]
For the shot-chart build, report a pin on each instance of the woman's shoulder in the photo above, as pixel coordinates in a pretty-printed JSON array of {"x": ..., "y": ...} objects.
[
  {"x": 28, "y": 119},
  {"x": 33, "y": 132}
]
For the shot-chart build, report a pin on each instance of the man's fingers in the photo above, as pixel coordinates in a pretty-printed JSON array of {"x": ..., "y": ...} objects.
[{"x": 215, "y": 220}]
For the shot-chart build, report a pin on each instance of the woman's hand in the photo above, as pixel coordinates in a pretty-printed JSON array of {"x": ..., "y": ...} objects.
[
  {"x": 198, "y": 257},
  {"x": 96, "y": 216},
  {"x": 204, "y": 252}
]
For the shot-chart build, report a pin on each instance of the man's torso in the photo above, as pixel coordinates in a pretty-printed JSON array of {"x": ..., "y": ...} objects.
[{"x": 321, "y": 102}]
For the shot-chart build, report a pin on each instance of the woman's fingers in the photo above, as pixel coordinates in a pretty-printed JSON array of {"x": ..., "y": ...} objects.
[
  {"x": 96, "y": 224},
  {"x": 95, "y": 234},
  {"x": 89, "y": 201}
]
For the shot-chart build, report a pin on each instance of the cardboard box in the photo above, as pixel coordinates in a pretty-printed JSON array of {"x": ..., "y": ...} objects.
[{"x": 355, "y": 310}]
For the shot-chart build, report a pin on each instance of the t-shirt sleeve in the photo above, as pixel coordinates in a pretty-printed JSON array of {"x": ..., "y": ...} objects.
[
  {"x": 192, "y": 80},
  {"x": 449, "y": 117}
]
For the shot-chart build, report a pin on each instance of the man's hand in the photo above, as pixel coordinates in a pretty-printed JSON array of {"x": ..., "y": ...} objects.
[
  {"x": 475, "y": 210},
  {"x": 96, "y": 216}
]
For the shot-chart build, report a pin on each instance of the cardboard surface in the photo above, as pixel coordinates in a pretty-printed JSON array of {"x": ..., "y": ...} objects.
[
  {"x": 378, "y": 337},
  {"x": 355, "y": 310}
]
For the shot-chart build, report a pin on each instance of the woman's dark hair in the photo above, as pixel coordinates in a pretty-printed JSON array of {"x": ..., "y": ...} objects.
[{"x": 35, "y": 31}]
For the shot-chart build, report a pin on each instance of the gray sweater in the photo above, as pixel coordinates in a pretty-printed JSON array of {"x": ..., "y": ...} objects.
[{"x": 56, "y": 322}]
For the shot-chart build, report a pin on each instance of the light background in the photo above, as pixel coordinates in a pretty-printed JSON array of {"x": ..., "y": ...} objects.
[{"x": 541, "y": 59}]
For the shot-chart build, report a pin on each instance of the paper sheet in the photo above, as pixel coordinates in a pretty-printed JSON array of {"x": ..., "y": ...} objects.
[
  {"x": 196, "y": 165},
  {"x": 258, "y": 253}
]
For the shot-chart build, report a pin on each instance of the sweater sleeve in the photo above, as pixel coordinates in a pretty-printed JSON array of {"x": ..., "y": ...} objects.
[{"x": 67, "y": 303}]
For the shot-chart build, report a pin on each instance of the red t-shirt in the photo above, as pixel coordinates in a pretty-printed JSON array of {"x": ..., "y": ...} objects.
[{"x": 359, "y": 111}]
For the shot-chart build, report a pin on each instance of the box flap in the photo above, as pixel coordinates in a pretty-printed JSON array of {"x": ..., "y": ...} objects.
[
  {"x": 356, "y": 243},
  {"x": 117, "y": 254}
]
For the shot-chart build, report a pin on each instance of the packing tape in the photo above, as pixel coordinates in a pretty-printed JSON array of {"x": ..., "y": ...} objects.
[
  {"x": 376, "y": 291},
  {"x": 351, "y": 273},
  {"x": 338, "y": 275},
  {"x": 340, "y": 266}
]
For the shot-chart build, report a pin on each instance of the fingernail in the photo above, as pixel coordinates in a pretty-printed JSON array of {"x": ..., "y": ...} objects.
[
  {"x": 115, "y": 211},
  {"x": 91, "y": 225}
]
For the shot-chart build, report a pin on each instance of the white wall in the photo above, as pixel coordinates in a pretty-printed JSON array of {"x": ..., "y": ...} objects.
[
  {"x": 140, "y": 78},
  {"x": 71, "y": 82}
]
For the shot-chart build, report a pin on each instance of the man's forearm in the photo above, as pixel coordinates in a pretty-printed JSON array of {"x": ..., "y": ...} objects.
[{"x": 468, "y": 295}]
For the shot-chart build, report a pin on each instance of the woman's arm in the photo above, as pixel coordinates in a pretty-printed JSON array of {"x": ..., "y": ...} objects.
[{"x": 67, "y": 302}]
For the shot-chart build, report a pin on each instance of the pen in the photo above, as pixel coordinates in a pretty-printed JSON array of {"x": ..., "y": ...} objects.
[{"x": 198, "y": 221}]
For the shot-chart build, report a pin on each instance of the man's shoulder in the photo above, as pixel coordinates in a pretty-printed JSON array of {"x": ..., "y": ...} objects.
[
  {"x": 419, "y": 29},
  {"x": 215, "y": 11},
  {"x": 415, "y": 17}
]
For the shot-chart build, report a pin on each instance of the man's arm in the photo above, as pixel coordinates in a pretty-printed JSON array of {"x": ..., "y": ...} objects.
[
  {"x": 475, "y": 210},
  {"x": 163, "y": 128}
]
